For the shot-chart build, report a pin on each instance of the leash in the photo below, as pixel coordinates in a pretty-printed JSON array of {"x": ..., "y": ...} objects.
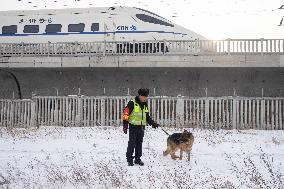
[{"x": 165, "y": 131}]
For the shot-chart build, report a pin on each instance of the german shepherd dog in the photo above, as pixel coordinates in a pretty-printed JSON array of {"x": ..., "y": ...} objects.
[{"x": 182, "y": 141}]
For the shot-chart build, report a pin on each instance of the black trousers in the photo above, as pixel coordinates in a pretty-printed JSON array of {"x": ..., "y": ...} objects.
[{"x": 136, "y": 134}]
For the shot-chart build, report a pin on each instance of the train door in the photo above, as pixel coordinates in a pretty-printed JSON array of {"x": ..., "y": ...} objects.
[
  {"x": 109, "y": 31},
  {"x": 109, "y": 35}
]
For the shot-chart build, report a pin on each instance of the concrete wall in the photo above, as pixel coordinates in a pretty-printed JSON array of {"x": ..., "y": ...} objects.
[
  {"x": 237, "y": 60},
  {"x": 187, "y": 81},
  {"x": 188, "y": 75}
]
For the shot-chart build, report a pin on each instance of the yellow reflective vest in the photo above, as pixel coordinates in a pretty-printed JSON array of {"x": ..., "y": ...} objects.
[{"x": 138, "y": 116}]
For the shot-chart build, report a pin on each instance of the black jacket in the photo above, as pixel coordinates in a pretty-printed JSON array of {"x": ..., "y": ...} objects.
[{"x": 130, "y": 106}]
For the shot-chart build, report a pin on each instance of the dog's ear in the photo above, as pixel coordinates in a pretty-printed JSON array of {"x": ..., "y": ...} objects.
[{"x": 185, "y": 131}]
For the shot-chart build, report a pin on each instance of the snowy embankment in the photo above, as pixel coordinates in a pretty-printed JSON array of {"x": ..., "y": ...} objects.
[{"x": 60, "y": 157}]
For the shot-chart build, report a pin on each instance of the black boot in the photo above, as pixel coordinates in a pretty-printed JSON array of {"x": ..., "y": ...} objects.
[
  {"x": 139, "y": 162},
  {"x": 130, "y": 163}
]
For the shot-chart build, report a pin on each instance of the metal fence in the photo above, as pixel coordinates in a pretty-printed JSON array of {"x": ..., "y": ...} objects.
[
  {"x": 17, "y": 113},
  {"x": 215, "y": 113},
  {"x": 103, "y": 48}
]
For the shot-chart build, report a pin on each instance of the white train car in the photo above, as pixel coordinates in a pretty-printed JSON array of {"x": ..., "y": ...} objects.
[{"x": 88, "y": 25}]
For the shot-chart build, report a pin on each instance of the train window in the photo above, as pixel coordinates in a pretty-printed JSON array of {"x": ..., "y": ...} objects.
[
  {"x": 9, "y": 29},
  {"x": 31, "y": 28},
  {"x": 95, "y": 27},
  {"x": 148, "y": 12},
  {"x": 150, "y": 19},
  {"x": 76, "y": 27},
  {"x": 53, "y": 28}
]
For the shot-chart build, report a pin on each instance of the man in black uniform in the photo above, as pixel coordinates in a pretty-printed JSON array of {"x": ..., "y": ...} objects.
[{"x": 136, "y": 115}]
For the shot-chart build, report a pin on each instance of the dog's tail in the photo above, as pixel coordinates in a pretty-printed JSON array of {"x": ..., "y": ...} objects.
[{"x": 165, "y": 131}]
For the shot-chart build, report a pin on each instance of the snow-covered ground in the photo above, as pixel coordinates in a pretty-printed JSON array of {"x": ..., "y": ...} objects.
[{"x": 61, "y": 157}]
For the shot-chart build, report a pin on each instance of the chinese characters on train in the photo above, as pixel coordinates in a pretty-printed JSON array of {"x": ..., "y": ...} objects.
[{"x": 35, "y": 20}]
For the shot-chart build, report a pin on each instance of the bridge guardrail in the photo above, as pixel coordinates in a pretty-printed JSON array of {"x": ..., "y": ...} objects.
[{"x": 103, "y": 48}]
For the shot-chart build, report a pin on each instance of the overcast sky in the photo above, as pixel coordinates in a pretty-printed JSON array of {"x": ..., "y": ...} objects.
[{"x": 214, "y": 19}]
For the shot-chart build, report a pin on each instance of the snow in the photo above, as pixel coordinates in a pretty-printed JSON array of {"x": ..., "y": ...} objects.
[{"x": 62, "y": 157}]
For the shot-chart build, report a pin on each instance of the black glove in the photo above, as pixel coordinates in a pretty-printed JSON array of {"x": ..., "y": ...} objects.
[
  {"x": 125, "y": 129},
  {"x": 155, "y": 126}
]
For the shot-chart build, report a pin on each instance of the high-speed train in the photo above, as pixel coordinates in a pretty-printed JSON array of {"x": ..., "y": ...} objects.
[{"x": 89, "y": 24}]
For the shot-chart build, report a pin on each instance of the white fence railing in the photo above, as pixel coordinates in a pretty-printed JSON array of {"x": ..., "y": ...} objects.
[
  {"x": 17, "y": 113},
  {"x": 215, "y": 113},
  {"x": 229, "y": 46}
]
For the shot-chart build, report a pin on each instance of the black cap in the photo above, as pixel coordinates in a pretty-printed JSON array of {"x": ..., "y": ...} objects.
[{"x": 143, "y": 92}]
